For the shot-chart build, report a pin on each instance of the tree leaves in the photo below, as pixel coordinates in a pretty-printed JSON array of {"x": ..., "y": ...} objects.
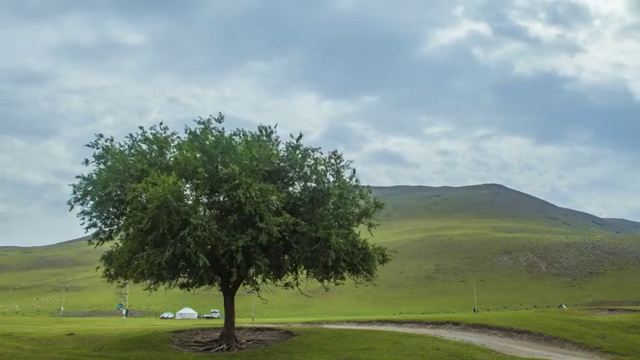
[{"x": 218, "y": 207}]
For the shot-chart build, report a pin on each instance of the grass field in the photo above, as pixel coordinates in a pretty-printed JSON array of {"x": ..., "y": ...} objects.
[
  {"x": 108, "y": 338},
  {"x": 524, "y": 256},
  {"x": 28, "y": 338}
]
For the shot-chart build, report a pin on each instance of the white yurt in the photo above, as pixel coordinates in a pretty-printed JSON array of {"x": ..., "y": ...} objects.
[{"x": 187, "y": 313}]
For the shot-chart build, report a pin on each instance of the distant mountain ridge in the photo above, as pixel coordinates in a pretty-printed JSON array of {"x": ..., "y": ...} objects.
[
  {"x": 488, "y": 201},
  {"x": 627, "y": 226},
  {"x": 72, "y": 241}
]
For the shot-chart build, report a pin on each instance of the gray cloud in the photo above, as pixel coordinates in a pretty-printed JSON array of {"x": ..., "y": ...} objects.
[
  {"x": 531, "y": 95},
  {"x": 390, "y": 158}
]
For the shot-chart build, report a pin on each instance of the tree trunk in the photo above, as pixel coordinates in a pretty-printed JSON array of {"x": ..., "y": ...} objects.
[{"x": 228, "y": 340}]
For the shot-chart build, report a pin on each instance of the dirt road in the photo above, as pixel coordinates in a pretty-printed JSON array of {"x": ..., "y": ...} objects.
[{"x": 499, "y": 340}]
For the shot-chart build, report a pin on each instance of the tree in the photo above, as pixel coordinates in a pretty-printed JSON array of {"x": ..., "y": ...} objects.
[{"x": 225, "y": 208}]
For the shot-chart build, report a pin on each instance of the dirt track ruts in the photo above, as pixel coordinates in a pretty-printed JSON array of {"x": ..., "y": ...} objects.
[{"x": 501, "y": 341}]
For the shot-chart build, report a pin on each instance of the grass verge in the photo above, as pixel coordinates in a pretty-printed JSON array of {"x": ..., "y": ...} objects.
[{"x": 37, "y": 338}]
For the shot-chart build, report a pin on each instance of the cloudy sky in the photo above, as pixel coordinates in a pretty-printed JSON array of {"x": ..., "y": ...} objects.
[{"x": 539, "y": 95}]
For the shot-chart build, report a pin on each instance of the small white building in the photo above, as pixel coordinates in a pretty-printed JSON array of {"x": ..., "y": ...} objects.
[{"x": 186, "y": 313}]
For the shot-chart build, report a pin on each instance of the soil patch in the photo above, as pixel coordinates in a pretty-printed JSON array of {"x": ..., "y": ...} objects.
[
  {"x": 612, "y": 311},
  {"x": 253, "y": 338},
  {"x": 468, "y": 327}
]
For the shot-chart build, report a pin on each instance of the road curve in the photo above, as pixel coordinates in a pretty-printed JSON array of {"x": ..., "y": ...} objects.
[{"x": 500, "y": 342}]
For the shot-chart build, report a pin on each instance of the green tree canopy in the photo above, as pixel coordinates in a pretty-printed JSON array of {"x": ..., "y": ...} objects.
[{"x": 223, "y": 208}]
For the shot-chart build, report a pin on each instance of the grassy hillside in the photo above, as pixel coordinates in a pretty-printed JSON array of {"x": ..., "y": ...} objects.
[
  {"x": 625, "y": 226},
  {"x": 490, "y": 201},
  {"x": 520, "y": 252}
]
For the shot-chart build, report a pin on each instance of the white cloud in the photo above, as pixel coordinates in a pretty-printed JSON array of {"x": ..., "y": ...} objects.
[
  {"x": 459, "y": 31},
  {"x": 247, "y": 93},
  {"x": 123, "y": 34},
  {"x": 255, "y": 92},
  {"x": 458, "y": 10},
  {"x": 90, "y": 102},
  {"x": 35, "y": 162},
  {"x": 602, "y": 50}
]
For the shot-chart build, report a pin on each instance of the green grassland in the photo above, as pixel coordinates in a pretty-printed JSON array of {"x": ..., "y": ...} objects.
[
  {"x": 524, "y": 256},
  {"x": 518, "y": 260},
  {"x": 146, "y": 338},
  {"x": 149, "y": 339},
  {"x": 435, "y": 267}
]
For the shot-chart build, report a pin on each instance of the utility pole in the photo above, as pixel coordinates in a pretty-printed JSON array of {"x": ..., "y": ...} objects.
[
  {"x": 126, "y": 303},
  {"x": 62, "y": 303},
  {"x": 475, "y": 300},
  {"x": 125, "y": 295},
  {"x": 253, "y": 306},
  {"x": 253, "y": 299}
]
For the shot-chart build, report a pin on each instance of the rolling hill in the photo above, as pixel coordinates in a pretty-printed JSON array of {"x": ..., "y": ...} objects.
[
  {"x": 490, "y": 201},
  {"x": 520, "y": 251}
]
